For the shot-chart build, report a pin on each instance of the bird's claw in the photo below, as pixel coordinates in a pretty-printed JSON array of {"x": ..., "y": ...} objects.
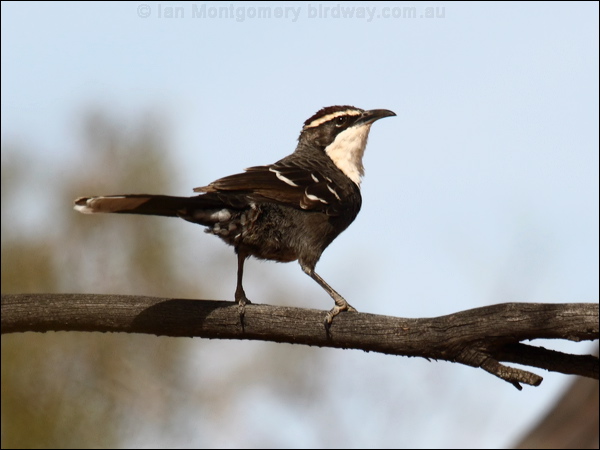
[{"x": 335, "y": 311}]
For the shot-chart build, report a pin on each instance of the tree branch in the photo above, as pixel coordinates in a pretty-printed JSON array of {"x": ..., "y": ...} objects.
[{"x": 480, "y": 337}]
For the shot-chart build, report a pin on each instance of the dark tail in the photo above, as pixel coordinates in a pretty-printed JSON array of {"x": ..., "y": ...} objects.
[{"x": 154, "y": 205}]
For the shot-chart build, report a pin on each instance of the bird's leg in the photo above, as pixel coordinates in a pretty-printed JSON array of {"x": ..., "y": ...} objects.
[
  {"x": 340, "y": 302},
  {"x": 240, "y": 295}
]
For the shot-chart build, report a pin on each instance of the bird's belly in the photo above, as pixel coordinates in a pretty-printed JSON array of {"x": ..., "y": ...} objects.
[{"x": 275, "y": 232}]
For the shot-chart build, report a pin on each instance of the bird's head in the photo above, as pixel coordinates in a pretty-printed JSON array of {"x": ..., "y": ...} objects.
[{"x": 341, "y": 132}]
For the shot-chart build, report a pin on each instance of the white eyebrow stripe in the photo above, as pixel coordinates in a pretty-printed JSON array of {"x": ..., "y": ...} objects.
[
  {"x": 282, "y": 178},
  {"x": 328, "y": 117}
]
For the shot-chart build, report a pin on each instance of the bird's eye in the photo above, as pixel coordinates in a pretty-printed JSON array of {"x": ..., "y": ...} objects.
[{"x": 339, "y": 121}]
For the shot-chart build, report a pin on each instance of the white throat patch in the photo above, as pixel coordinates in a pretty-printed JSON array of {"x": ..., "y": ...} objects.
[{"x": 347, "y": 151}]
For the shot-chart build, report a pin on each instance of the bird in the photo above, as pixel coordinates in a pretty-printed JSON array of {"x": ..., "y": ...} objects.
[{"x": 286, "y": 211}]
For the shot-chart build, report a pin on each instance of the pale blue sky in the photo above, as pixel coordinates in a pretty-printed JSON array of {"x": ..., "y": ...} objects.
[{"x": 484, "y": 188}]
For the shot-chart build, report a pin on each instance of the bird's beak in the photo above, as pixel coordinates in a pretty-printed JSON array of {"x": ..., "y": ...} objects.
[{"x": 373, "y": 115}]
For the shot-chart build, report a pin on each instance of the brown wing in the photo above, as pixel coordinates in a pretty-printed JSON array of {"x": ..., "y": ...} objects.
[{"x": 285, "y": 184}]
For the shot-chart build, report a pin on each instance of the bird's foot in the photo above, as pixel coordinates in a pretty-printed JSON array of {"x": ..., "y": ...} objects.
[
  {"x": 242, "y": 301},
  {"x": 338, "y": 308}
]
